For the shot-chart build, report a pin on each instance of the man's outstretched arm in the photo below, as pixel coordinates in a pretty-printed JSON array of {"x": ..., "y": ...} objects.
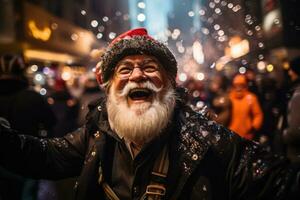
[{"x": 53, "y": 158}]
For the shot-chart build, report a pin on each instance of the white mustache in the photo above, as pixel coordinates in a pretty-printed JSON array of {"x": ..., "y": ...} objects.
[{"x": 132, "y": 85}]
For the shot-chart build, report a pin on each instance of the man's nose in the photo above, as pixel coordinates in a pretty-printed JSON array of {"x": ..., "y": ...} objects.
[{"x": 137, "y": 74}]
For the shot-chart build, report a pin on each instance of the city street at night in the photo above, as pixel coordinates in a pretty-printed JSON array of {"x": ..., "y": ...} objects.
[{"x": 149, "y": 99}]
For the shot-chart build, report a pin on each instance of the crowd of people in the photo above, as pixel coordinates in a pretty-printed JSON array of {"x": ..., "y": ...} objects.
[
  {"x": 143, "y": 137},
  {"x": 53, "y": 115},
  {"x": 256, "y": 110}
]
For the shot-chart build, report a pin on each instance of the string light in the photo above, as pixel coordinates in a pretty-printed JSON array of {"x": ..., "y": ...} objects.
[
  {"x": 230, "y": 5},
  {"x": 112, "y": 35},
  {"x": 191, "y": 13},
  {"x": 141, "y": 5},
  {"x": 216, "y": 27},
  {"x": 99, "y": 35},
  {"x": 94, "y": 23},
  {"x": 141, "y": 17},
  {"x": 201, "y": 12},
  {"x": 182, "y": 77},
  {"x": 105, "y": 18},
  {"x": 83, "y": 12}
]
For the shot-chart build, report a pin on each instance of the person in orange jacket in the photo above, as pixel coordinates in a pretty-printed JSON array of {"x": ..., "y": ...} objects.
[{"x": 247, "y": 116}]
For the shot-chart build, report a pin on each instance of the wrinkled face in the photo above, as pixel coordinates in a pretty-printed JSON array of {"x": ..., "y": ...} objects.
[
  {"x": 141, "y": 99},
  {"x": 138, "y": 69}
]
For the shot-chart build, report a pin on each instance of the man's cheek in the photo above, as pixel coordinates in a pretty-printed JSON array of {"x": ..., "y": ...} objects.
[{"x": 157, "y": 81}]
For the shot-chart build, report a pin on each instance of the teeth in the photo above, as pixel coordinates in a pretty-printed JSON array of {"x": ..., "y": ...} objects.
[{"x": 139, "y": 90}]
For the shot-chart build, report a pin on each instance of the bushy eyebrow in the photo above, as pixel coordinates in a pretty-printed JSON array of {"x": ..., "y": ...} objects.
[
  {"x": 125, "y": 62},
  {"x": 146, "y": 61}
]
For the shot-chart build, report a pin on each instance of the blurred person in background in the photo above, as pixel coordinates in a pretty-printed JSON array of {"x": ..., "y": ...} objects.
[
  {"x": 28, "y": 112},
  {"x": 91, "y": 92},
  {"x": 65, "y": 107},
  {"x": 142, "y": 141},
  {"x": 220, "y": 101},
  {"x": 196, "y": 96},
  {"x": 246, "y": 114},
  {"x": 291, "y": 135},
  {"x": 251, "y": 82},
  {"x": 76, "y": 88},
  {"x": 271, "y": 104}
]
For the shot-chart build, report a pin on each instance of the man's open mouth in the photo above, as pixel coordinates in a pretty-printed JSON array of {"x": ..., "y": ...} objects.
[{"x": 139, "y": 94}]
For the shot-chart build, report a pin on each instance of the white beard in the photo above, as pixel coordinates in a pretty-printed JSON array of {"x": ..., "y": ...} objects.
[{"x": 141, "y": 122}]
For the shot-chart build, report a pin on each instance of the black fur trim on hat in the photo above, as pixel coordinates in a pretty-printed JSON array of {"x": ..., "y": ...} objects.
[{"x": 137, "y": 45}]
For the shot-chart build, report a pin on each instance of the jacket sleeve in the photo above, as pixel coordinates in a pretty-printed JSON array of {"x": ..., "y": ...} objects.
[
  {"x": 256, "y": 113},
  {"x": 253, "y": 173},
  {"x": 43, "y": 158}
]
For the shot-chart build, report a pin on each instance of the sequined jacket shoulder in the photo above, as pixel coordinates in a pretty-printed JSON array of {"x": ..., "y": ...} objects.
[{"x": 222, "y": 165}]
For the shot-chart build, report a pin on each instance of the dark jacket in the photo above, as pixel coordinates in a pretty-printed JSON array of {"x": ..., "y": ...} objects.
[
  {"x": 209, "y": 161},
  {"x": 291, "y": 135}
]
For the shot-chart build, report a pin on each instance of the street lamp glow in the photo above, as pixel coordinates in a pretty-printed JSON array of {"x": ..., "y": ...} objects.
[
  {"x": 270, "y": 67},
  {"x": 141, "y": 17}
]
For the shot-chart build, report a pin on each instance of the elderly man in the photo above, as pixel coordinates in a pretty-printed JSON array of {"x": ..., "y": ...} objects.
[{"x": 144, "y": 142}]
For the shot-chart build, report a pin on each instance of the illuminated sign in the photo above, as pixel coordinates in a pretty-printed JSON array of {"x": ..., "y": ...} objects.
[{"x": 39, "y": 33}]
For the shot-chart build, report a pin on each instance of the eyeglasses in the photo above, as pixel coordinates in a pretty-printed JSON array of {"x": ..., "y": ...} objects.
[{"x": 124, "y": 70}]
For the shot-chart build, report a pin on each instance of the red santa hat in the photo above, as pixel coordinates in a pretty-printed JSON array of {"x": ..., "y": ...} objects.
[{"x": 133, "y": 42}]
